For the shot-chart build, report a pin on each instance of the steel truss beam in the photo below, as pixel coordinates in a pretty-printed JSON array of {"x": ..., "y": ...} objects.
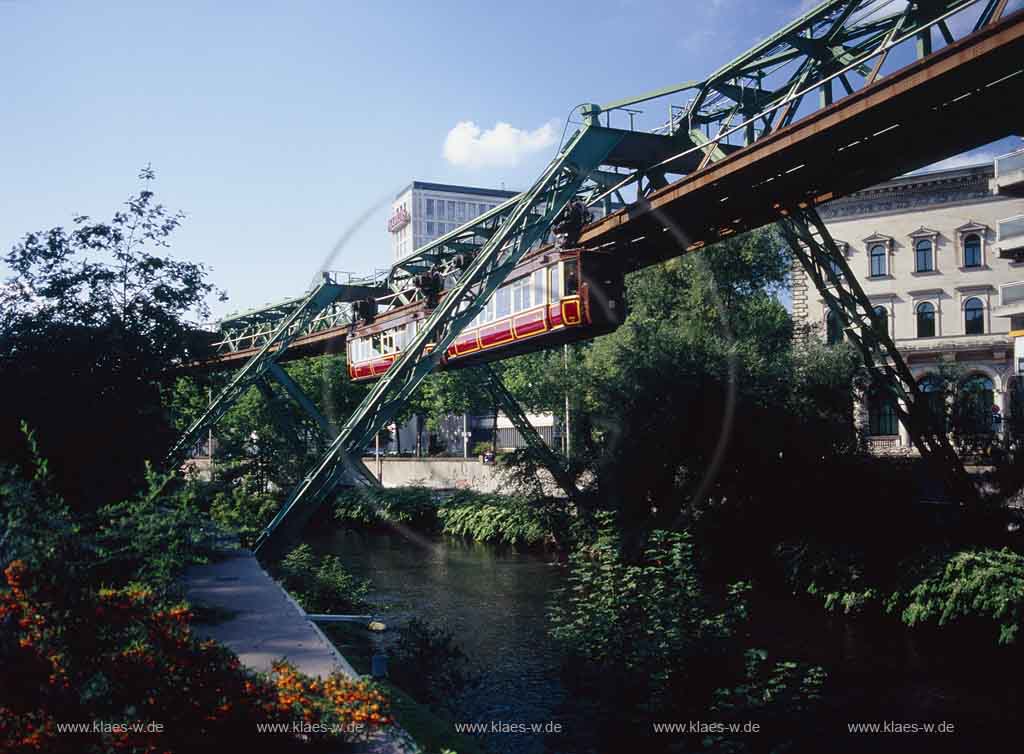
[
  {"x": 508, "y": 404},
  {"x": 792, "y": 73},
  {"x": 264, "y": 365},
  {"x": 826, "y": 265},
  {"x": 525, "y": 223}
]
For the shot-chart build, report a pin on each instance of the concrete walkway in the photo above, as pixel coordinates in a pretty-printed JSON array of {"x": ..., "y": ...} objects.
[{"x": 266, "y": 624}]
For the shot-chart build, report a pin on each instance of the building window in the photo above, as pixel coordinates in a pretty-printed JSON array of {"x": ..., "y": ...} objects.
[
  {"x": 833, "y": 329},
  {"x": 933, "y": 392},
  {"x": 430, "y": 208},
  {"x": 972, "y": 250},
  {"x": 482, "y": 207},
  {"x": 451, "y": 210},
  {"x": 878, "y": 261},
  {"x": 974, "y": 414},
  {"x": 923, "y": 256},
  {"x": 430, "y": 227},
  {"x": 925, "y": 320},
  {"x": 974, "y": 317},
  {"x": 881, "y": 320},
  {"x": 882, "y": 419},
  {"x": 836, "y": 269}
]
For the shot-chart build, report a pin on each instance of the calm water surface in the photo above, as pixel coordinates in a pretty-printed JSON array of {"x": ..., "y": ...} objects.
[{"x": 494, "y": 601}]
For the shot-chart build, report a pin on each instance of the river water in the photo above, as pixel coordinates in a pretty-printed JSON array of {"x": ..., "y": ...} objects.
[{"x": 494, "y": 601}]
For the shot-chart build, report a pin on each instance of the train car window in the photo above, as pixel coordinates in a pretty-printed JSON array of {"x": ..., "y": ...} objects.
[
  {"x": 538, "y": 287},
  {"x": 554, "y": 289},
  {"x": 572, "y": 278},
  {"x": 375, "y": 345},
  {"x": 489, "y": 311},
  {"x": 521, "y": 294},
  {"x": 503, "y": 299}
]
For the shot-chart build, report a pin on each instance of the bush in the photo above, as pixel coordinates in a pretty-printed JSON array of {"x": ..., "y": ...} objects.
[
  {"x": 321, "y": 584},
  {"x": 645, "y": 625},
  {"x": 429, "y": 664},
  {"x": 412, "y": 506},
  {"x": 155, "y": 535},
  {"x": 125, "y": 656},
  {"x": 499, "y": 518},
  {"x": 969, "y": 585},
  {"x": 243, "y": 511}
]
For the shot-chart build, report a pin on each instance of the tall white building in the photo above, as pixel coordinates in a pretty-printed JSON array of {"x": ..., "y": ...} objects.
[
  {"x": 423, "y": 211},
  {"x": 941, "y": 257}
]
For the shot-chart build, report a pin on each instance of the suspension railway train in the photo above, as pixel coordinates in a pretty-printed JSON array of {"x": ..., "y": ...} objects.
[{"x": 550, "y": 298}]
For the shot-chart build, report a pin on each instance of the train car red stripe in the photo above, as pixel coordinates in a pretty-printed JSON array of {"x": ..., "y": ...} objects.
[
  {"x": 496, "y": 334},
  {"x": 529, "y": 323}
]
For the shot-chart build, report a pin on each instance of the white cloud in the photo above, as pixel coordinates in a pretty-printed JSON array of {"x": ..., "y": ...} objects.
[{"x": 466, "y": 145}]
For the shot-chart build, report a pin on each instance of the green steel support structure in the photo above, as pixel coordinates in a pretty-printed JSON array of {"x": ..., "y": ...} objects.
[
  {"x": 263, "y": 365},
  {"x": 527, "y": 224},
  {"x": 825, "y": 263},
  {"x": 551, "y": 460},
  {"x": 830, "y": 52}
]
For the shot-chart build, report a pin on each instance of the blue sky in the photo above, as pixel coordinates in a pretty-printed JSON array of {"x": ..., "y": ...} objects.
[{"x": 274, "y": 126}]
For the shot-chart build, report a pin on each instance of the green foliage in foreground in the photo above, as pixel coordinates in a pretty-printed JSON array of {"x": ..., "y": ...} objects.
[
  {"x": 653, "y": 637},
  {"x": 944, "y": 586},
  {"x": 321, "y": 584},
  {"x": 429, "y": 664},
  {"x": 985, "y": 584},
  {"x": 504, "y": 519}
]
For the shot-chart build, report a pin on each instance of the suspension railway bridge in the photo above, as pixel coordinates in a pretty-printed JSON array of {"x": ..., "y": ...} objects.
[{"x": 852, "y": 93}]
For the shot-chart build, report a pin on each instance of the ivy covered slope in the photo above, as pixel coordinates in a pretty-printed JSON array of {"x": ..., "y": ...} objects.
[{"x": 516, "y": 519}]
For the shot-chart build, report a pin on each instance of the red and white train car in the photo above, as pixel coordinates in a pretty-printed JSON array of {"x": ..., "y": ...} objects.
[{"x": 549, "y": 299}]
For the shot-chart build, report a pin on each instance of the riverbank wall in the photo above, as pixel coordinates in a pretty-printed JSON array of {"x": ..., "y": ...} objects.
[{"x": 447, "y": 474}]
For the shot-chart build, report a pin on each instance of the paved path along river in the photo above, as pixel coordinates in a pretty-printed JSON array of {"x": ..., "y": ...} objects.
[{"x": 266, "y": 624}]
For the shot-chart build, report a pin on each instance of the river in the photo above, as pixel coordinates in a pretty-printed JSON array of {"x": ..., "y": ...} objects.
[{"x": 494, "y": 601}]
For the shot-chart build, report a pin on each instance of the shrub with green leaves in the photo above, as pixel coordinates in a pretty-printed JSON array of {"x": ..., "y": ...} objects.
[
  {"x": 428, "y": 663},
  {"x": 499, "y": 518},
  {"x": 321, "y": 584},
  {"x": 650, "y": 623},
  {"x": 412, "y": 506},
  {"x": 969, "y": 585}
]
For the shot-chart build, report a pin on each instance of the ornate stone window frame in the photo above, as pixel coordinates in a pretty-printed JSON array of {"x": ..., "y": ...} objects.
[
  {"x": 972, "y": 228},
  {"x": 981, "y": 292},
  {"x": 876, "y": 239},
  {"x": 925, "y": 234},
  {"x": 932, "y": 296}
]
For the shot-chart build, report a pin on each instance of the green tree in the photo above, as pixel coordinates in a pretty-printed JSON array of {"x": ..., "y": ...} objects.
[{"x": 90, "y": 322}]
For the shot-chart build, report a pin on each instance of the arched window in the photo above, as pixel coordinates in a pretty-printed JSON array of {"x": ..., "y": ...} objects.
[
  {"x": 974, "y": 317},
  {"x": 972, "y": 250},
  {"x": 924, "y": 261},
  {"x": 974, "y": 414},
  {"x": 882, "y": 320},
  {"x": 833, "y": 329},
  {"x": 932, "y": 388},
  {"x": 882, "y": 418},
  {"x": 878, "y": 260},
  {"x": 925, "y": 320}
]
